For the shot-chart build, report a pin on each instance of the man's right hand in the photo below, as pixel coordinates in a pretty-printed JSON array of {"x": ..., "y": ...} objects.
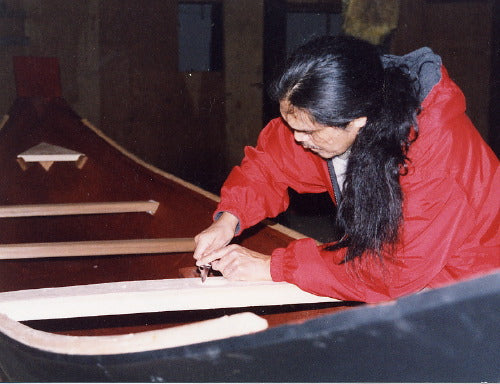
[{"x": 215, "y": 237}]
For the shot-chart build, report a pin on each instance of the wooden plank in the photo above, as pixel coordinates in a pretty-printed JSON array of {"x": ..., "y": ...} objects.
[
  {"x": 214, "y": 329},
  {"x": 149, "y": 296},
  {"x": 95, "y": 248},
  {"x": 78, "y": 208}
]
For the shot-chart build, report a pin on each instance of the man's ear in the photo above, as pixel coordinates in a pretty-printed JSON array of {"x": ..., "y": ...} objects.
[{"x": 357, "y": 123}]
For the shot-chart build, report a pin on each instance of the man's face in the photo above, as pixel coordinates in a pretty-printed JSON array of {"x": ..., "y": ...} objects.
[{"x": 323, "y": 140}]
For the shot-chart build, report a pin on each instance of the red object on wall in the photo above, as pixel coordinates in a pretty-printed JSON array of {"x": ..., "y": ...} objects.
[{"x": 37, "y": 76}]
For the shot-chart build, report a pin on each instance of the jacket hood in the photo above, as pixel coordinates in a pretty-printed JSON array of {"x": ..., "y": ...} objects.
[{"x": 423, "y": 66}]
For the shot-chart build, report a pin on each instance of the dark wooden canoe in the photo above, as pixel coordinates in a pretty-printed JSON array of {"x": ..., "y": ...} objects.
[{"x": 412, "y": 339}]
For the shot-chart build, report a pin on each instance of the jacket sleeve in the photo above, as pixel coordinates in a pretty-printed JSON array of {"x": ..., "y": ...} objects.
[
  {"x": 436, "y": 220},
  {"x": 258, "y": 188}
]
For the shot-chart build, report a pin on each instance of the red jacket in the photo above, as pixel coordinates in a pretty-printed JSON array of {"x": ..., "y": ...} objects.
[{"x": 450, "y": 210}]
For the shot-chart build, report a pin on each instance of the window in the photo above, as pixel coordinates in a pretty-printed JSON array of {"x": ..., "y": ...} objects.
[
  {"x": 302, "y": 26},
  {"x": 200, "y": 36}
]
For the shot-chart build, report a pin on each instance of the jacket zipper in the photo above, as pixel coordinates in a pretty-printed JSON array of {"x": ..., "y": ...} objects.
[
  {"x": 333, "y": 178},
  {"x": 338, "y": 195}
]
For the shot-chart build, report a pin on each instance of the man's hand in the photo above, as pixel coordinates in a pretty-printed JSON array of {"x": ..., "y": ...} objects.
[
  {"x": 215, "y": 237},
  {"x": 239, "y": 263},
  {"x": 233, "y": 261}
]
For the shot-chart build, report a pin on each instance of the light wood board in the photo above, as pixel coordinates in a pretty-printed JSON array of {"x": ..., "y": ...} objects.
[{"x": 149, "y": 296}]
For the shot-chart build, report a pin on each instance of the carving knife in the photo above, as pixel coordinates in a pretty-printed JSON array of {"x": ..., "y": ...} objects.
[{"x": 204, "y": 271}]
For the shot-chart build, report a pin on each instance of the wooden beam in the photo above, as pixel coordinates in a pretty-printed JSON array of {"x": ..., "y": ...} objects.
[
  {"x": 78, "y": 208},
  {"x": 149, "y": 296},
  {"x": 95, "y": 248},
  {"x": 215, "y": 329}
]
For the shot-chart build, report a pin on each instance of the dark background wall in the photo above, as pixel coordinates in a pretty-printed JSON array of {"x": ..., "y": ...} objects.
[
  {"x": 462, "y": 33},
  {"x": 120, "y": 67}
]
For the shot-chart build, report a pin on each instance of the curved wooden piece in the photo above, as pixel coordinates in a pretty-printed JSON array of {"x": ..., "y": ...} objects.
[{"x": 199, "y": 332}]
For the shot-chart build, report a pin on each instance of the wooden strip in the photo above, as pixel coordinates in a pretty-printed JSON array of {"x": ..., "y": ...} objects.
[
  {"x": 95, "y": 248},
  {"x": 215, "y": 329},
  {"x": 149, "y": 296},
  {"x": 78, "y": 208}
]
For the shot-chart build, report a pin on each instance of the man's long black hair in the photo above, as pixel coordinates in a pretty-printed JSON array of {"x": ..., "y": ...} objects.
[{"x": 338, "y": 79}]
